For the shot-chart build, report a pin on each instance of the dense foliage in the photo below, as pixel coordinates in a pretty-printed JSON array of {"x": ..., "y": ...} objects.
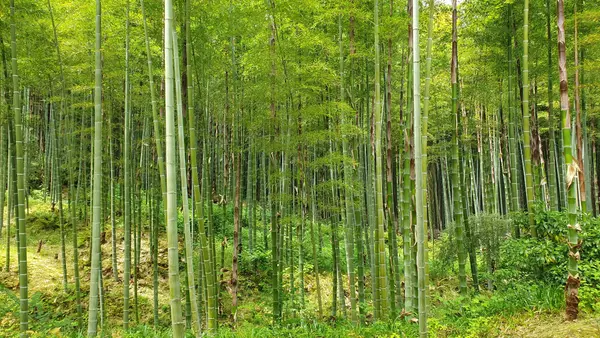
[{"x": 297, "y": 168}]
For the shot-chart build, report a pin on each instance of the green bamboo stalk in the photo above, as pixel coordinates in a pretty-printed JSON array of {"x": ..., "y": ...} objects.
[
  {"x": 50, "y": 154},
  {"x": 101, "y": 296},
  {"x": 141, "y": 182},
  {"x": 313, "y": 241},
  {"x": 407, "y": 234},
  {"x": 73, "y": 218},
  {"x": 511, "y": 125},
  {"x": 19, "y": 150},
  {"x": 188, "y": 282},
  {"x": 573, "y": 228},
  {"x": 284, "y": 212},
  {"x": 466, "y": 174},
  {"x": 333, "y": 221},
  {"x": 250, "y": 200},
  {"x": 10, "y": 188},
  {"x": 12, "y": 182},
  {"x": 264, "y": 182},
  {"x": 587, "y": 157},
  {"x": 581, "y": 155},
  {"x": 26, "y": 118},
  {"x": 236, "y": 183},
  {"x": 370, "y": 229},
  {"x": 554, "y": 192},
  {"x": 3, "y": 171},
  {"x": 47, "y": 152},
  {"x": 456, "y": 182},
  {"x": 335, "y": 261},
  {"x": 139, "y": 228},
  {"x": 358, "y": 238},
  {"x": 272, "y": 168},
  {"x": 587, "y": 150},
  {"x": 526, "y": 117},
  {"x": 493, "y": 140},
  {"x": 211, "y": 230},
  {"x": 90, "y": 185},
  {"x": 420, "y": 229},
  {"x": 483, "y": 162},
  {"x": 469, "y": 233},
  {"x": 154, "y": 211},
  {"x": 290, "y": 235},
  {"x": 96, "y": 200},
  {"x": 177, "y": 321},
  {"x": 127, "y": 183},
  {"x": 303, "y": 204},
  {"x": 157, "y": 134},
  {"x": 113, "y": 225},
  {"x": 390, "y": 204},
  {"x": 60, "y": 210},
  {"x": 189, "y": 254},
  {"x": 156, "y": 120},
  {"x": 64, "y": 263},
  {"x": 209, "y": 274},
  {"x": 413, "y": 249},
  {"x": 449, "y": 207},
  {"x": 361, "y": 216},
  {"x": 393, "y": 228},
  {"x": 421, "y": 166},
  {"x": 348, "y": 200},
  {"x": 379, "y": 234}
]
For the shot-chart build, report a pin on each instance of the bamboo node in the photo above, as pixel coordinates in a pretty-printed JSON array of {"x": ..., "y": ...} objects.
[
  {"x": 575, "y": 247},
  {"x": 575, "y": 255}
]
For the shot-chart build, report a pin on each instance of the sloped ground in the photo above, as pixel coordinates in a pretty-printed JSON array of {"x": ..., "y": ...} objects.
[
  {"x": 554, "y": 326},
  {"x": 45, "y": 271}
]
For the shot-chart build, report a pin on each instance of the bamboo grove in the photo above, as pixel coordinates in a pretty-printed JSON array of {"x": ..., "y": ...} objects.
[{"x": 193, "y": 143}]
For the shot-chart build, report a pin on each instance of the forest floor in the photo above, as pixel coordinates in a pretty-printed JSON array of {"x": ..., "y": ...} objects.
[
  {"x": 53, "y": 311},
  {"x": 554, "y": 325}
]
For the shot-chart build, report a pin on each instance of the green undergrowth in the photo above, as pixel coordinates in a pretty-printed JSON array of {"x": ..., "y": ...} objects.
[
  {"x": 521, "y": 292},
  {"x": 479, "y": 315}
]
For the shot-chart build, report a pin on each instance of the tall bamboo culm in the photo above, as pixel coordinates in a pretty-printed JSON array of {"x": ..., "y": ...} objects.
[
  {"x": 526, "y": 117},
  {"x": 348, "y": 202},
  {"x": 380, "y": 270},
  {"x": 20, "y": 168},
  {"x": 420, "y": 179},
  {"x": 177, "y": 320},
  {"x": 573, "y": 228},
  {"x": 97, "y": 188},
  {"x": 422, "y": 237},
  {"x": 127, "y": 183},
  {"x": 457, "y": 184},
  {"x": 208, "y": 271},
  {"x": 189, "y": 253}
]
